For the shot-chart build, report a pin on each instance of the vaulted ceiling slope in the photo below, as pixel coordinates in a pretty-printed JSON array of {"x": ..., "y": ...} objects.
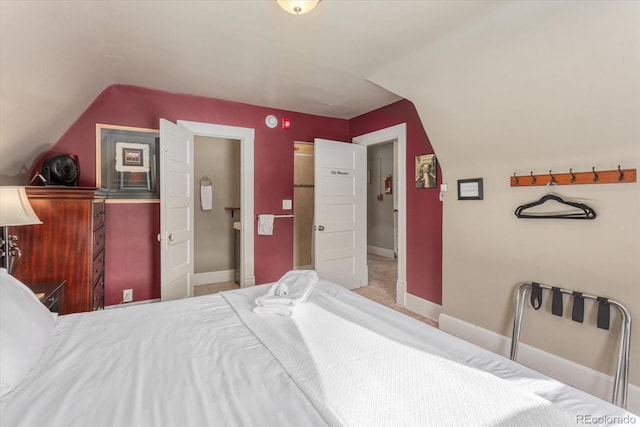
[{"x": 57, "y": 56}]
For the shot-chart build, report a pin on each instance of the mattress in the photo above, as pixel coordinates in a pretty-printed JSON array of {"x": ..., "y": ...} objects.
[{"x": 340, "y": 360}]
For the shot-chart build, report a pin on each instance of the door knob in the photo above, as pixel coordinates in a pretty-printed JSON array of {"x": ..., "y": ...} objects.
[
  {"x": 171, "y": 237},
  {"x": 321, "y": 227}
]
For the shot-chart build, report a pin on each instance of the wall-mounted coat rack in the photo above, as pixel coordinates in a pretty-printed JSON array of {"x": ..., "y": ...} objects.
[{"x": 593, "y": 177}]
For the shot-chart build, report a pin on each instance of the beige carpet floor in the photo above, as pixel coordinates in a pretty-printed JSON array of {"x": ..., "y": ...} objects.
[{"x": 383, "y": 273}]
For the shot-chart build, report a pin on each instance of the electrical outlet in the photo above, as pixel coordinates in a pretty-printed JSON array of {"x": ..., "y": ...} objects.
[{"x": 127, "y": 295}]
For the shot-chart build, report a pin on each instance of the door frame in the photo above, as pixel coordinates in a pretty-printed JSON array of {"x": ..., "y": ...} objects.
[
  {"x": 395, "y": 133},
  {"x": 246, "y": 137}
]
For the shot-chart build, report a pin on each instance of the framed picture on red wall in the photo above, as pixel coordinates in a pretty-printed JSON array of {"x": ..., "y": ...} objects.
[
  {"x": 426, "y": 171},
  {"x": 127, "y": 162}
]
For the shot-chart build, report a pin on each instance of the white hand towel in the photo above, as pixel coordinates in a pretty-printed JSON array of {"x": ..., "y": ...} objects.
[
  {"x": 282, "y": 310},
  {"x": 206, "y": 197},
  {"x": 298, "y": 284},
  {"x": 265, "y": 224}
]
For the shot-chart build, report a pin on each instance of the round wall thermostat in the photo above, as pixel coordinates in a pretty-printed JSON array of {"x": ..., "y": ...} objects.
[{"x": 271, "y": 121}]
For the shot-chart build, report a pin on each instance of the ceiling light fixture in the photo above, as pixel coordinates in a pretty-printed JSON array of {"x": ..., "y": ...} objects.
[{"x": 298, "y": 7}]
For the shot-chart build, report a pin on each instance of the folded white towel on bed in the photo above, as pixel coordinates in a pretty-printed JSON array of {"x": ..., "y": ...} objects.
[
  {"x": 282, "y": 310},
  {"x": 292, "y": 288}
]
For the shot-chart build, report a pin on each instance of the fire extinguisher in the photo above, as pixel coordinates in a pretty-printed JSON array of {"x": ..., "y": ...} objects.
[{"x": 388, "y": 184}]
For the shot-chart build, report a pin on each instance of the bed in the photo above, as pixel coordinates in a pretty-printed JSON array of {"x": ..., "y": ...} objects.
[{"x": 339, "y": 360}]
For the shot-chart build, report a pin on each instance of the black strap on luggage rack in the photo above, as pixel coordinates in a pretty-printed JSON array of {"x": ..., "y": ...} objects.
[{"x": 621, "y": 378}]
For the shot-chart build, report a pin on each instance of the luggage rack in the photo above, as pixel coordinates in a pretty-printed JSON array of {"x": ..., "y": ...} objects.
[{"x": 621, "y": 378}]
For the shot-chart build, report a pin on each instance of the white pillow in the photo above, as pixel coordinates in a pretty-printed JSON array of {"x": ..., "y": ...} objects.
[{"x": 25, "y": 328}]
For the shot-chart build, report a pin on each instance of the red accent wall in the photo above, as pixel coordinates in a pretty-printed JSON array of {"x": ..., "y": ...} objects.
[
  {"x": 424, "y": 209},
  {"x": 132, "y": 260},
  {"x": 132, "y": 249}
]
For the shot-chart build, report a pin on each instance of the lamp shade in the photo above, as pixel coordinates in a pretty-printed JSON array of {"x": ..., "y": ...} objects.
[
  {"x": 15, "y": 208},
  {"x": 298, "y": 7}
]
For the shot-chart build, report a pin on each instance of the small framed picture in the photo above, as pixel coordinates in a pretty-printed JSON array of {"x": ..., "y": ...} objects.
[
  {"x": 132, "y": 157},
  {"x": 470, "y": 189},
  {"x": 426, "y": 171}
]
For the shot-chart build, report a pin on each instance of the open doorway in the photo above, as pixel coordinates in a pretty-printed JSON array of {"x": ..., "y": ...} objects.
[
  {"x": 397, "y": 135},
  {"x": 382, "y": 253},
  {"x": 303, "y": 205},
  {"x": 216, "y": 204},
  {"x": 177, "y": 202}
]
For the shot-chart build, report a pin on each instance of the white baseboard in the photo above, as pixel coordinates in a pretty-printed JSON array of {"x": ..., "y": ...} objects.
[
  {"x": 422, "y": 306},
  {"x": 249, "y": 281},
  {"x": 212, "y": 277},
  {"x": 387, "y": 253},
  {"x": 566, "y": 371}
]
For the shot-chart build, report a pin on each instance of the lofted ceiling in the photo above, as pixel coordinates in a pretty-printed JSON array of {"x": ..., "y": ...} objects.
[{"x": 57, "y": 56}]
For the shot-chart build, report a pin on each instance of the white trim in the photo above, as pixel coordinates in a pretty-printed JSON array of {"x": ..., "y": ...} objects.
[
  {"x": 383, "y": 252},
  {"x": 213, "y": 277},
  {"x": 246, "y": 137},
  {"x": 422, "y": 306},
  {"x": 399, "y": 134},
  {"x": 564, "y": 370}
]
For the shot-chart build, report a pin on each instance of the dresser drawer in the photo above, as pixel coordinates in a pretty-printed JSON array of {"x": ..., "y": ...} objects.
[
  {"x": 98, "y": 215},
  {"x": 53, "y": 302}
]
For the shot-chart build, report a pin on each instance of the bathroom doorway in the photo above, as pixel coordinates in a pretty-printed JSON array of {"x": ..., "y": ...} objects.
[
  {"x": 216, "y": 206},
  {"x": 303, "y": 205}
]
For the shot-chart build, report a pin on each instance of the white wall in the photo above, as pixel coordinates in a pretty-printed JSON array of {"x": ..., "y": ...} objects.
[{"x": 536, "y": 86}]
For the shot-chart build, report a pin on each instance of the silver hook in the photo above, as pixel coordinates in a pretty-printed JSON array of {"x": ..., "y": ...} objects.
[
  {"x": 595, "y": 175},
  {"x": 573, "y": 175},
  {"x": 515, "y": 178},
  {"x": 553, "y": 179},
  {"x": 533, "y": 178},
  {"x": 621, "y": 176}
]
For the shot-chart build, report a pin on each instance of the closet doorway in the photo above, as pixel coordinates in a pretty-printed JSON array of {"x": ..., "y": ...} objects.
[{"x": 303, "y": 205}]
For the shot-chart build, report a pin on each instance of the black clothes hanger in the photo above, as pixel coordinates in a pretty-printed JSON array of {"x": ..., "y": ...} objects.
[{"x": 585, "y": 212}]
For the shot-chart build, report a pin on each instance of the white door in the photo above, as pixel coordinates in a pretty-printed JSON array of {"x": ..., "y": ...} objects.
[
  {"x": 176, "y": 211},
  {"x": 339, "y": 219}
]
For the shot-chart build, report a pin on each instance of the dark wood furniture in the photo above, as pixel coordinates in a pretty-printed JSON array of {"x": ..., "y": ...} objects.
[
  {"x": 49, "y": 293},
  {"x": 69, "y": 244}
]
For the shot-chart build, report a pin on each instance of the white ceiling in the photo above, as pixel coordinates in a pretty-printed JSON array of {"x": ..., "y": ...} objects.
[{"x": 56, "y": 57}]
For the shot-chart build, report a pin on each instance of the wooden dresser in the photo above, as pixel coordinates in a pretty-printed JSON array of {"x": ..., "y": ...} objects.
[{"x": 68, "y": 245}]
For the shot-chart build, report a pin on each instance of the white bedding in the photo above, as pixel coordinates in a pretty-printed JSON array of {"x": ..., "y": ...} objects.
[{"x": 339, "y": 360}]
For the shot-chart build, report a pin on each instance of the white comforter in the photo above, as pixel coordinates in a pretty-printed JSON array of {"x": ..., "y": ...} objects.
[{"x": 339, "y": 360}]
